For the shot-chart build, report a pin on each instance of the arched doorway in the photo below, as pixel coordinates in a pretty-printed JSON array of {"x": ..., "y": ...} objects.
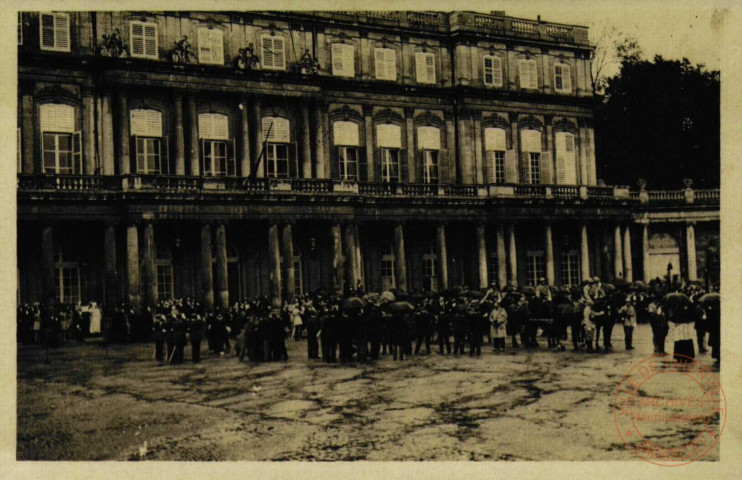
[{"x": 663, "y": 251}]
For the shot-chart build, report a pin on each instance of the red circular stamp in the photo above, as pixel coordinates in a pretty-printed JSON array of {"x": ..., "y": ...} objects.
[{"x": 670, "y": 410}]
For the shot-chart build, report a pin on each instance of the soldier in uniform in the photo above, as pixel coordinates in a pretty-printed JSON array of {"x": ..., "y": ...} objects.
[
  {"x": 459, "y": 326},
  {"x": 196, "y": 332},
  {"x": 498, "y": 318},
  {"x": 311, "y": 321},
  {"x": 474, "y": 328},
  {"x": 158, "y": 335},
  {"x": 443, "y": 329},
  {"x": 179, "y": 338},
  {"x": 423, "y": 327}
]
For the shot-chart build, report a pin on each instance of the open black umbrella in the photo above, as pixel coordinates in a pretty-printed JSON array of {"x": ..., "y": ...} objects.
[
  {"x": 387, "y": 297},
  {"x": 353, "y": 303},
  {"x": 528, "y": 291},
  {"x": 710, "y": 300},
  {"x": 372, "y": 297},
  {"x": 400, "y": 307}
]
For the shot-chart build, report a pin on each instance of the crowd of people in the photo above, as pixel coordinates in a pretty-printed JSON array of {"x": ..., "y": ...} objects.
[{"x": 363, "y": 327}]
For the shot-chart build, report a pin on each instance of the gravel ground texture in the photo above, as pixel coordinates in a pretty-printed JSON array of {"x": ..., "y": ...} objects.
[{"x": 116, "y": 403}]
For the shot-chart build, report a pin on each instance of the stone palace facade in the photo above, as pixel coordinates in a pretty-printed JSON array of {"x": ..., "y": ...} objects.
[{"x": 223, "y": 155}]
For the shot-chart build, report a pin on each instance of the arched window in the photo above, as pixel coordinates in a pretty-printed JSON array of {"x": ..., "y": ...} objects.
[
  {"x": 347, "y": 144},
  {"x": 150, "y": 146},
  {"x": 429, "y": 146},
  {"x": 61, "y": 144},
  {"x": 389, "y": 142},
  {"x": 495, "y": 145},
  {"x": 217, "y": 151}
]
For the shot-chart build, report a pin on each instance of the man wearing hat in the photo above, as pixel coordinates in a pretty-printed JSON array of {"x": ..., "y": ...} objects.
[
  {"x": 628, "y": 315},
  {"x": 543, "y": 291},
  {"x": 158, "y": 335},
  {"x": 196, "y": 332}
]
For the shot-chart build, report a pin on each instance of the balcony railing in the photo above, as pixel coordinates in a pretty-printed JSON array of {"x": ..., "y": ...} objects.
[{"x": 187, "y": 185}]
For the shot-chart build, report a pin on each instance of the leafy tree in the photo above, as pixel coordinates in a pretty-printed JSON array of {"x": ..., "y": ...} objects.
[{"x": 659, "y": 121}]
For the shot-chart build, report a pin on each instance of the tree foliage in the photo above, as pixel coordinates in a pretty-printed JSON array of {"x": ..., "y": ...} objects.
[{"x": 659, "y": 121}]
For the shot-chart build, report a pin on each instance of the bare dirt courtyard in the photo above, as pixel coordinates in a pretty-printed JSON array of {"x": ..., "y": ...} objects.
[{"x": 116, "y": 403}]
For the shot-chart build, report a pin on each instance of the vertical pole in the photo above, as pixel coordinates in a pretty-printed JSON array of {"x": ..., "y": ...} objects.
[
  {"x": 351, "y": 275},
  {"x": 306, "y": 142},
  {"x": 245, "y": 158},
  {"x": 194, "y": 149},
  {"x": 337, "y": 259},
  {"x": 690, "y": 241},
  {"x": 549, "y": 255},
  {"x": 122, "y": 115},
  {"x": 179, "y": 141}
]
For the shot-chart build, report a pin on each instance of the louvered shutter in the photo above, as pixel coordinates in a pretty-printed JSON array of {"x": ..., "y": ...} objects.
[
  {"x": 444, "y": 165},
  {"x": 389, "y": 136},
  {"x": 47, "y": 30},
  {"x": 279, "y": 133},
  {"x": 335, "y": 167},
  {"x": 567, "y": 78},
  {"x": 57, "y": 117},
  {"x": 293, "y": 160},
  {"x": 343, "y": 64},
  {"x": 165, "y": 156},
  {"x": 231, "y": 159},
  {"x": 562, "y": 77},
  {"x": 497, "y": 71},
  {"x": 362, "y": 165},
  {"x": 133, "y": 162},
  {"x": 213, "y": 126},
  {"x": 268, "y": 61},
  {"x": 137, "y": 40},
  {"x": 146, "y": 123},
  {"x": 77, "y": 152},
  {"x": 528, "y": 74},
  {"x": 206, "y": 168},
  {"x": 561, "y": 177},
  {"x": 210, "y": 46},
  {"x": 525, "y": 168},
  {"x": 378, "y": 173},
  {"x": 150, "y": 41},
  {"x": 55, "y": 31},
  {"x": 547, "y": 170},
  {"x": 490, "y": 157},
  {"x": 511, "y": 167},
  {"x": 345, "y": 133},
  {"x": 385, "y": 64},
  {"x": 404, "y": 167},
  {"x": 425, "y": 67},
  {"x": 570, "y": 164}
]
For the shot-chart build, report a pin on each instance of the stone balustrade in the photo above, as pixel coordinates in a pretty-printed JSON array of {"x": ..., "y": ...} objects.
[{"x": 192, "y": 184}]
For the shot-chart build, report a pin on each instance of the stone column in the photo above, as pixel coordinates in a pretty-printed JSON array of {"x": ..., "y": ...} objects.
[
  {"x": 359, "y": 260},
  {"x": 502, "y": 266},
  {"x": 369, "y": 130},
  {"x": 400, "y": 264},
  {"x": 442, "y": 253},
  {"x": 549, "y": 247},
  {"x": 106, "y": 135},
  {"x": 337, "y": 259},
  {"x": 584, "y": 254},
  {"x": 513, "y": 256},
  {"x": 690, "y": 241},
  {"x": 319, "y": 146},
  {"x": 88, "y": 133},
  {"x": 482, "y": 256},
  {"x": 132, "y": 267},
  {"x": 515, "y": 142},
  {"x": 451, "y": 146},
  {"x": 179, "y": 140},
  {"x": 222, "y": 280},
  {"x": 478, "y": 160},
  {"x": 351, "y": 275},
  {"x": 245, "y": 157},
  {"x": 122, "y": 128},
  {"x": 306, "y": 142},
  {"x": 194, "y": 148},
  {"x": 207, "y": 273},
  {"x": 49, "y": 278},
  {"x": 289, "y": 274},
  {"x": 274, "y": 258},
  {"x": 109, "y": 268},
  {"x": 411, "y": 157},
  {"x": 150, "y": 266},
  {"x": 257, "y": 143},
  {"x": 27, "y": 134},
  {"x": 645, "y": 252},
  {"x": 627, "y": 261},
  {"x": 617, "y": 253},
  {"x": 584, "y": 178},
  {"x": 465, "y": 149}
]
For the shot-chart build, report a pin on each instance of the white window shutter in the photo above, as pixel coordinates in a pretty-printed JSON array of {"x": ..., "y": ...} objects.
[
  {"x": 380, "y": 64},
  {"x": 495, "y": 139},
  {"x": 337, "y": 59},
  {"x": 146, "y": 123},
  {"x": 566, "y": 79},
  {"x": 490, "y": 157},
  {"x": 204, "y": 45},
  {"x": 561, "y": 178},
  {"x": 570, "y": 164},
  {"x": 150, "y": 40},
  {"x": 267, "y": 52},
  {"x": 137, "y": 39},
  {"x": 279, "y": 55},
  {"x": 77, "y": 152},
  {"x": 47, "y": 30},
  {"x": 533, "y": 74},
  {"x": 530, "y": 141},
  {"x": 279, "y": 133},
  {"x": 428, "y": 138},
  {"x": 430, "y": 67},
  {"x": 62, "y": 31},
  {"x": 388, "y": 136},
  {"x": 57, "y": 117},
  {"x": 425, "y": 67},
  {"x": 385, "y": 63},
  {"x": 497, "y": 71},
  {"x": 213, "y": 126},
  {"x": 217, "y": 46},
  {"x": 345, "y": 134}
]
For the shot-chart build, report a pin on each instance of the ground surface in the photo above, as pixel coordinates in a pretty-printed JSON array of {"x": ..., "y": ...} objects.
[{"x": 93, "y": 403}]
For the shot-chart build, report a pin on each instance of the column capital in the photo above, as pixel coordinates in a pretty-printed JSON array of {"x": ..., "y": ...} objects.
[
  {"x": 690, "y": 223},
  {"x": 368, "y": 110}
]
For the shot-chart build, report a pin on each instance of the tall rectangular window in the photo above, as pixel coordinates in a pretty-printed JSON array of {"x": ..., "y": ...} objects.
[
  {"x": 425, "y": 67},
  {"x": 385, "y": 64},
  {"x": 277, "y": 133},
  {"x": 146, "y": 130},
  {"x": 430, "y": 166},
  {"x": 535, "y": 266},
  {"x": 164, "y": 280},
  {"x": 61, "y": 144},
  {"x": 570, "y": 269},
  {"x": 343, "y": 64},
  {"x": 492, "y": 70},
  {"x": 347, "y": 140},
  {"x": 273, "y": 53},
  {"x": 528, "y": 74},
  {"x": 562, "y": 78},
  {"x": 149, "y": 156},
  {"x": 54, "y": 30},
  {"x": 143, "y": 36},
  {"x": 566, "y": 159},
  {"x": 278, "y": 160},
  {"x": 389, "y": 141},
  {"x": 210, "y": 46},
  {"x": 531, "y": 149},
  {"x": 430, "y": 269},
  {"x": 388, "y": 280},
  {"x": 495, "y": 144},
  {"x": 68, "y": 284},
  {"x": 348, "y": 163},
  {"x": 429, "y": 145},
  {"x": 389, "y": 165},
  {"x": 216, "y": 152}
]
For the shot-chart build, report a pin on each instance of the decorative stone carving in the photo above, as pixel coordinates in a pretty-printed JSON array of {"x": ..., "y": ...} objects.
[
  {"x": 183, "y": 52},
  {"x": 113, "y": 46}
]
